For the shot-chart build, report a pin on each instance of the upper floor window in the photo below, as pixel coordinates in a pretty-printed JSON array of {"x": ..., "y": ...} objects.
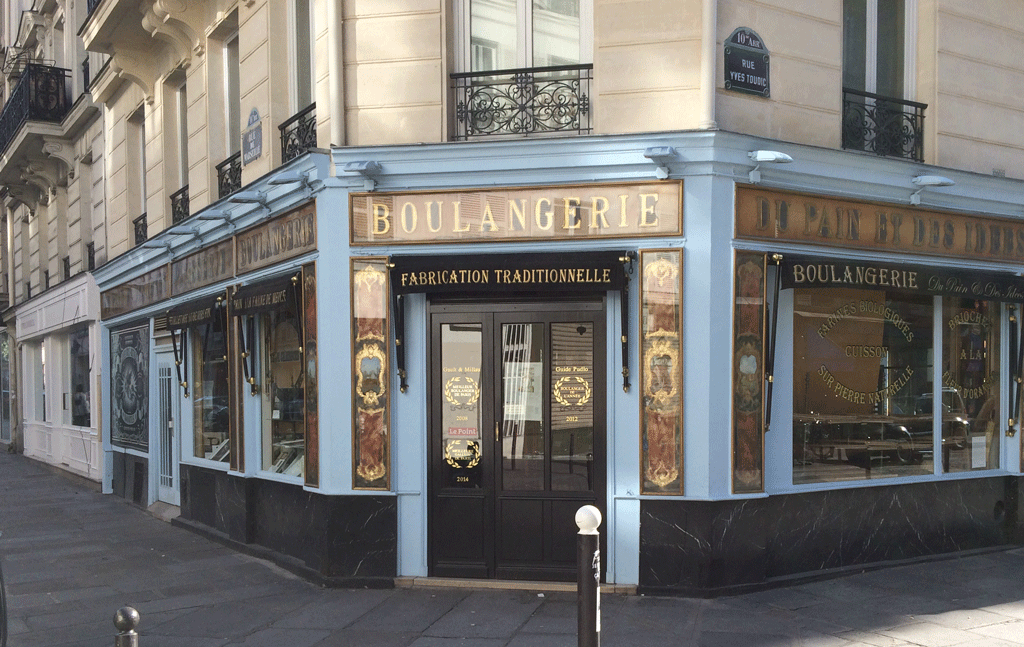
[
  {"x": 509, "y": 34},
  {"x": 875, "y": 46},
  {"x": 303, "y": 50},
  {"x": 544, "y": 49},
  {"x": 878, "y": 65}
]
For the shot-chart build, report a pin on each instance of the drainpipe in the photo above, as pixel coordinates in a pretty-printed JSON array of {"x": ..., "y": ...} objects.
[
  {"x": 336, "y": 70},
  {"x": 708, "y": 64}
]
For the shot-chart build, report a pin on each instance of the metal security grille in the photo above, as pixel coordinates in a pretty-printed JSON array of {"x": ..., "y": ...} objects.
[{"x": 166, "y": 388}]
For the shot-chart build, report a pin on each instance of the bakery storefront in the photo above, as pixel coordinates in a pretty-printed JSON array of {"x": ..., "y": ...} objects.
[
  {"x": 876, "y": 391},
  {"x": 516, "y": 341}
]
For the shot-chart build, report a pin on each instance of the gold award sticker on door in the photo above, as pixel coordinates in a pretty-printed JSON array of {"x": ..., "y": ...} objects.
[
  {"x": 572, "y": 391},
  {"x": 462, "y": 454},
  {"x": 462, "y": 391}
]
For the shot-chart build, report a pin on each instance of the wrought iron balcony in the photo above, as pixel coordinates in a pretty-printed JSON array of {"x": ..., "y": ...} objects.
[
  {"x": 86, "y": 76},
  {"x": 883, "y": 125},
  {"x": 523, "y": 102},
  {"x": 229, "y": 175},
  {"x": 180, "y": 209},
  {"x": 140, "y": 229},
  {"x": 298, "y": 134},
  {"x": 43, "y": 93},
  {"x": 90, "y": 255},
  {"x": 92, "y": 4}
]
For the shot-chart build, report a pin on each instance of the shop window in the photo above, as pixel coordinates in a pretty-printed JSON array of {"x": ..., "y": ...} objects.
[
  {"x": 970, "y": 384},
  {"x": 81, "y": 407},
  {"x": 276, "y": 327},
  {"x": 210, "y": 392},
  {"x": 36, "y": 355},
  {"x": 865, "y": 400},
  {"x": 284, "y": 439}
]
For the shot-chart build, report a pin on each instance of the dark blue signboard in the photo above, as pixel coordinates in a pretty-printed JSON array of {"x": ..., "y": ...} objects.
[
  {"x": 747, "y": 63},
  {"x": 252, "y": 138}
]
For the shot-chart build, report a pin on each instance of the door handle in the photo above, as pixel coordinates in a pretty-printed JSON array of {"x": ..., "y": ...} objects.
[{"x": 496, "y": 432}]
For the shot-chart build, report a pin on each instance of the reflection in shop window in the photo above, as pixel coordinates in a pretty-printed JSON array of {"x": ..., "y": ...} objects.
[
  {"x": 79, "y": 352},
  {"x": 284, "y": 436},
  {"x": 863, "y": 386},
  {"x": 970, "y": 384},
  {"x": 210, "y": 392}
]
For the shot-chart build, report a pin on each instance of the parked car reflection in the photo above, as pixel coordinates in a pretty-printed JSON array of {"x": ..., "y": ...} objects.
[{"x": 901, "y": 436}]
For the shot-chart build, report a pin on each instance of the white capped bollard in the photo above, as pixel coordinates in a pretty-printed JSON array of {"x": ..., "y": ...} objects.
[{"x": 588, "y": 577}]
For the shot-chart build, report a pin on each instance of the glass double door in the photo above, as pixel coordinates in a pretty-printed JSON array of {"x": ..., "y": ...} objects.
[{"x": 517, "y": 436}]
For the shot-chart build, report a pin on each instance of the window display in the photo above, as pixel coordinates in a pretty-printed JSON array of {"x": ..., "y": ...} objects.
[
  {"x": 862, "y": 385},
  {"x": 80, "y": 391},
  {"x": 284, "y": 438},
  {"x": 970, "y": 384},
  {"x": 210, "y": 392}
]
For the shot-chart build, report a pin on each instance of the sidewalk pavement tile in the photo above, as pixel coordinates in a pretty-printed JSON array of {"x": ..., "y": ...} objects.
[{"x": 930, "y": 634}]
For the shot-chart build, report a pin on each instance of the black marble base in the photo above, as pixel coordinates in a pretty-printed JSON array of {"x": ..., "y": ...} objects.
[
  {"x": 709, "y": 548},
  {"x": 130, "y": 477},
  {"x": 341, "y": 539}
]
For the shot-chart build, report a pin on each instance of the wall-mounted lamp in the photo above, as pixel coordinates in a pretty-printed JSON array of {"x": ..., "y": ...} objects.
[
  {"x": 368, "y": 169},
  {"x": 290, "y": 177},
  {"x": 250, "y": 197},
  {"x": 925, "y": 181},
  {"x": 184, "y": 231},
  {"x": 218, "y": 215},
  {"x": 158, "y": 244},
  {"x": 765, "y": 157},
  {"x": 661, "y": 155}
]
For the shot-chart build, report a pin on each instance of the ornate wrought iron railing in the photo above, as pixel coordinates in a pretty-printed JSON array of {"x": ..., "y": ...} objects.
[
  {"x": 86, "y": 77},
  {"x": 883, "y": 125},
  {"x": 298, "y": 134},
  {"x": 140, "y": 229},
  {"x": 92, "y": 4},
  {"x": 229, "y": 175},
  {"x": 66, "y": 262},
  {"x": 523, "y": 102},
  {"x": 90, "y": 255},
  {"x": 180, "y": 209},
  {"x": 43, "y": 93}
]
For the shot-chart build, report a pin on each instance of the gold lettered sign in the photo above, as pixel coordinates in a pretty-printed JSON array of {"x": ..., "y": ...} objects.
[
  {"x": 290, "y": 235},
  {"x": 462, "y": 454},
  {"x": 797, "y": 217},
  {"x": 205, "y": 267},
  {"x": 539, "y": 213},
  {"x": 137, "y": 293}
]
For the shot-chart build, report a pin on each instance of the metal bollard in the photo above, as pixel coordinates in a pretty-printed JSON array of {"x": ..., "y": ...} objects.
[
  {"x": 588, "y": 577},
  {"x": 126, "y": 620}
]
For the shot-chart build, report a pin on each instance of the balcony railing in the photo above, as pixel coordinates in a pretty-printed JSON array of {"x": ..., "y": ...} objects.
[
  {"x": 523, "y": 102},
  {"x": 42, "y": 94},
  {"x": 140, "y": 229},
  {"x": 91, "y": 5},
  {"x": 180, "y": 209},
  {"x": 86, "y": 76},
  {"x": 298, "y": 134},
  {"x": 883, "y": 125},
  {"x": 229, "y": 175},
  {"x": 90, "y": 255}
]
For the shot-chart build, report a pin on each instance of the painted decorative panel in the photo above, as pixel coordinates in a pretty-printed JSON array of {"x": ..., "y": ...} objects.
[
  {"x": 748, "y": 373},
  {"x": 129, "y": 403},
  {"x": 371, "y": 367},
  {"x": 661, "y": 379}
]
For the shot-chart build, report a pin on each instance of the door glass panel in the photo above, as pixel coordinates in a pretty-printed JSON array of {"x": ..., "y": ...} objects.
[
  {"x": 522, "y": 433},
  {"x": 461, "y": 413},
  {"x": 572, "y": 406}
]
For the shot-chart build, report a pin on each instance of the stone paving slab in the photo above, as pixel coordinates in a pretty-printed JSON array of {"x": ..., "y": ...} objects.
[{"x": 72, "y": 556}]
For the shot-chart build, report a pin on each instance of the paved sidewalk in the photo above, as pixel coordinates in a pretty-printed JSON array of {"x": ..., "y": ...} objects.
[{"x": 73, "y": 556}]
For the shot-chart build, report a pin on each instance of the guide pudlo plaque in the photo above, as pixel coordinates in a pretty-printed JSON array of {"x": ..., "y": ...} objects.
[{"x": 747, "y": 63}]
